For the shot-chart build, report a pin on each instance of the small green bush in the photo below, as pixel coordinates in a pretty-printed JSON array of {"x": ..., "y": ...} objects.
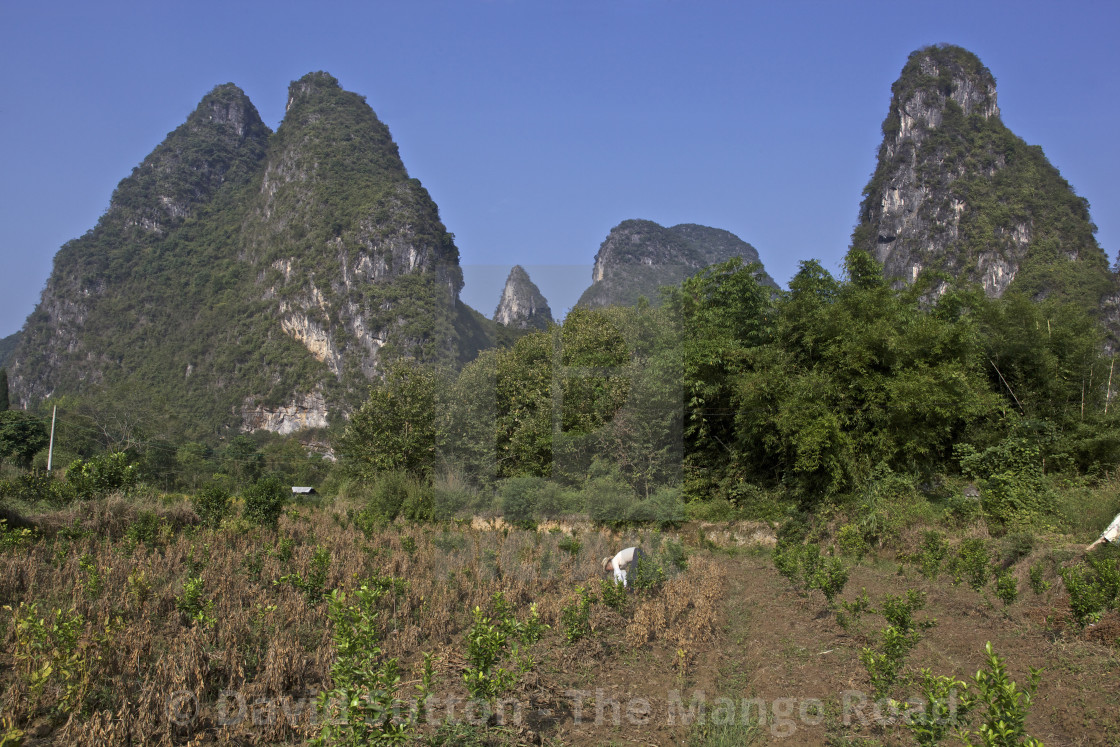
[
  {"x": 1094, "y": 588},
  {"x": 972, "y": 563},
  {"x": 358, "y": 707},
  {"x": 1039, "y": 584},
  {"x": 419, "y": 503},
  {"x": 37, "y": 487},
  {"x": 570, "y": 545},
  {"x": 14, "y": 538},
  {"x": 493, "y": 648},
  {"x": 646, "y": 573},
  {"x": 938, "y": 713},
  {"x": 264, "y": 502},
  {"x": 613, "y": 594},
  {"x": 851, "y": 542},
  {"x": 900, "y": 635},
  {"x": 101, "y": 475},
  {"x": 212, "y": 504},
  {"x": 883, "y": 667},
  {"x": 148, "y": 528},
  {"x": 807, "y": 569},
  {"x": 1007, "y": 587},
  {"x": 899, "y": 611},
  {"x": 193, "y": 605},
  {"x": 931, "y": 554},
  {"x": 314, "y": 586},
  {"x": 674, "y": 555},
  {"x": 1005, "y": 704},
  {"x": 575, "y": 616}
]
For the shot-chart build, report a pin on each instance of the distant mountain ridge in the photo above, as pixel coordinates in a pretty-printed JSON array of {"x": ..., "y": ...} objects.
[
  {"x": 244, "y": 280},
  {"x": 639, "y": 256}
]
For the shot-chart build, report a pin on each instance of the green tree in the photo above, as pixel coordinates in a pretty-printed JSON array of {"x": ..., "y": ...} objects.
[
  {"x": 3, "y": 389},
  {"x": 724, "y": 312},
  {"x": 857, "y": 374},
  {"x": 21, "y": 436},
  {"x": 396, "y": 428}
]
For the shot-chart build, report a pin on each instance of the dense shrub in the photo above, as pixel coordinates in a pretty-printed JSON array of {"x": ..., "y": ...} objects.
[
  {"x": 212, "y": 504},
  {"x": 1009, "y": 474},
  {"x": 37, "y": 487},
  {"x": 609, "y": 500},
  {"x": 395, "y": 493},
  {"x": 102, "y": 474},
  {"x": 264, "y": 501},
  {"x": 972, "y": 563},
  {"x": 518, "y": 497},
  {"x": 1094, "y": 588},
  {"x": 663, "y": 509}
]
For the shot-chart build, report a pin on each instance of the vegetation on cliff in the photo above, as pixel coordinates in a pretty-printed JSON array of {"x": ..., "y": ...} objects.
[
  {"x": 239, "y": 272},
  {"x": 957, "y": 195}
]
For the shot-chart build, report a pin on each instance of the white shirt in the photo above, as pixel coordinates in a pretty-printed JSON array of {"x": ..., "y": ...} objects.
[
  {"x": 622, "y": 561},
  {"x": 1112, "y": 534}
]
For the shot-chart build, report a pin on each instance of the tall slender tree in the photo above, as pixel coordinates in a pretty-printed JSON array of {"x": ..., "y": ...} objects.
[{"x": 3, "y": 389}]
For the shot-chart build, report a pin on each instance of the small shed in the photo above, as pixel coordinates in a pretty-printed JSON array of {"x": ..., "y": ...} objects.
[{"x": 303, "y": 491}]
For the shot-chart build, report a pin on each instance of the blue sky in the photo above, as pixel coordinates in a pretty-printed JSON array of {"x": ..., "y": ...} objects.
[{"x": 538, "y": 126}]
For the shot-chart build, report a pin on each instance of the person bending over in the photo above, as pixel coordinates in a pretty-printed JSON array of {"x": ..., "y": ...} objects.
[{"x": 622, "y": 562}]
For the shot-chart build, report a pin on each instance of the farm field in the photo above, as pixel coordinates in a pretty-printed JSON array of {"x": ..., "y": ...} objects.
[{"x": 124, "y": 626}]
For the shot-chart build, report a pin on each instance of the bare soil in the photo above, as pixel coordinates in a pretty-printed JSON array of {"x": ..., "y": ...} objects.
[{"x": 784, "y": 652}]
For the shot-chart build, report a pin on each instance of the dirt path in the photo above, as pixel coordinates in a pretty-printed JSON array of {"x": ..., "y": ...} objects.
[
  {"x": 783, "y": 653},
  {"x": 790, "y": 652}
]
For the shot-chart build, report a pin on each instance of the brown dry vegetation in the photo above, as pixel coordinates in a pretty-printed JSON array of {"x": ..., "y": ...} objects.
[{"x": 728, "y": 626}]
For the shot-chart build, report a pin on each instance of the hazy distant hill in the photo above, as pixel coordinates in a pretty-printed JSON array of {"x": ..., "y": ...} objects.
[
  {"x": 243, "y": 279},
  {"x": 522, "y": 306},
  {"x": 640, "y": 256}
]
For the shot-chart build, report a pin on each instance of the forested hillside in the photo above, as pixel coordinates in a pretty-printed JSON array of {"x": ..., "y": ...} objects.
[{"x": 248, "y": 280}]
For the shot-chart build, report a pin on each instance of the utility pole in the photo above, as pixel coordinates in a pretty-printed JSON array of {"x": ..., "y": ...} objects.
[
  {"x": 50, "y": 449},
  {"x": 1108, "y": 395}
]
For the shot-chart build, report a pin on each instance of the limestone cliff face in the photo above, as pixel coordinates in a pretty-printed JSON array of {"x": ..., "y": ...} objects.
[
  {"x": 522, "y": 306},
  {"x": 340, "y": 284},
  {"x": 957, "y": 194},
  {"x": 302, "y": 413},
  {"x": 640, "y": 256}
]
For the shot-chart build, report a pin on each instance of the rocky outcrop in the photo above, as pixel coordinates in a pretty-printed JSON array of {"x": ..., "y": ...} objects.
[
  {"x": 956, "y": 196},
  {"x": 522, "y": 306},
  {"x": 304, "y": 412},
  {"x": 7, "y": 347},
  {"x": 344, "y": 297},
  {"x": 639, "y": 257}
]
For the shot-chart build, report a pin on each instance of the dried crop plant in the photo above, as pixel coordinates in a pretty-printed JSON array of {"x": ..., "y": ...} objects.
[{"x": 262, "y": 639}]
